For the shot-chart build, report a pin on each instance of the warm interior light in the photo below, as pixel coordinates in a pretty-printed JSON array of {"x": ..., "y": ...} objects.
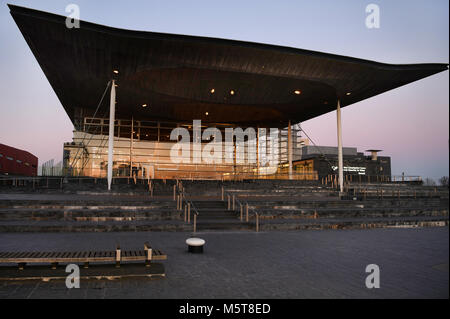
[
  {"x": 206, "y": 113},
  {"x": 212, "y": 91},
  {"x": 116, "y": 71},
  {"x": 144, "y": 105},
  {"x": 348, "y": 93},
  {"x": 232, "y": 92},
  {"x": 297, "y": 92}
]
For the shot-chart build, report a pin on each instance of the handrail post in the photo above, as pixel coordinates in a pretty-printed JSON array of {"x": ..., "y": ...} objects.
[
  {"x": 195, "y": 223},
  {"x": 118, "y": 256},
  {"x": 257, "y": 222},
  {"x": 185, "y": 211},
  {"x": 222, "y": 193},
  {"x": 229, "y": 204},
  {"x": 234, "y": 200},
  {"x": 174, "y": 192},
  {"x": 189, "y": 213},
  {"x": 148, "y": 254},
  {"x": 241, "y": 212},
  {"x": 246, "y": 212}
]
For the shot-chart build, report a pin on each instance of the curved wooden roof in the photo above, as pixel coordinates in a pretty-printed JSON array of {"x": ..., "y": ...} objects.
[{"x": 174, "y": 75}]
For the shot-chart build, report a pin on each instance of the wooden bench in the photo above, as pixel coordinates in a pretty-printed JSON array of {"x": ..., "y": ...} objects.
[{"x": 115, "y": 256}]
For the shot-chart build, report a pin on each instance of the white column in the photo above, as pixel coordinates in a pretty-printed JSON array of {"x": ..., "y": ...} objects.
[
  {"x": 112, "y": 108},
  {"x": 131, "y": 146},
  {"x": 257, "y": 151},
  {"x": 289, "y": 145},
  {"x": 340, "y": 158}
]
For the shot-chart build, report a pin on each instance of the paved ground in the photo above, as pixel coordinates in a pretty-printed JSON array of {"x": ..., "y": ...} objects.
[{"x": 295, "y": 264}]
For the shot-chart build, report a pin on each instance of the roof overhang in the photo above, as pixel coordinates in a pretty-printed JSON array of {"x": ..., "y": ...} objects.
[{"x": 174, "y": 74}]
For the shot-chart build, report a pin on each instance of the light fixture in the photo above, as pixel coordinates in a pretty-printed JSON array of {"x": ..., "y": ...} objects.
[
  {"x": 206, "y": 113},
  {"x": 212, "y": 91},
  {"x": 144, "y": 105},
  {"x": 232, "y": 92},
  {"x": 116, "y": 71},
  {"x": 298, "y": 92},
  {"x": 348, "y": 93}
]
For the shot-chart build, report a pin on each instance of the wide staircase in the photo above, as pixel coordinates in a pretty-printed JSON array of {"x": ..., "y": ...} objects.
[
  {"x": 84, "y": 204},
  {"x": 214, "y": 215}
]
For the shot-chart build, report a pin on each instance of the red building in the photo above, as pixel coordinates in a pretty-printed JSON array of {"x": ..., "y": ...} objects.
[{"x": 17, "y": 162}]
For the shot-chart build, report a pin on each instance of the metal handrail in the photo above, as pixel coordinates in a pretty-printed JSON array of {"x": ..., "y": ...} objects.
[
  {"x": 242, "y": 204},
  {"x": 255, "y": 213},
  {"x": 188, "y": 205}
]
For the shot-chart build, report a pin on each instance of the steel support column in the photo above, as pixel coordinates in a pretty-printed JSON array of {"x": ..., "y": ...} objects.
[
  {"x": 340, "y": 156},
  {"x": 289, "y": 145},
  {"x": 112, "y": 108}
]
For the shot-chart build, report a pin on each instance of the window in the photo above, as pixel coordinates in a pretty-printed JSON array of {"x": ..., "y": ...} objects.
[
  {"x": 19, "y": 161},
  {"x": 27, "y": 164},
  {"x": 9, "y": 158},
  {"x": 1, "y": 155}
]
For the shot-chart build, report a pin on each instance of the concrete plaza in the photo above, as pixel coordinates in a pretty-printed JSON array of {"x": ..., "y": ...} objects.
[{"x": 294, "y": 264}]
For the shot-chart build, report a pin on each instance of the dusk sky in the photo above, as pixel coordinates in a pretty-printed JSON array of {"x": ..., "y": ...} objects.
[{"x": 410, "y": 123}]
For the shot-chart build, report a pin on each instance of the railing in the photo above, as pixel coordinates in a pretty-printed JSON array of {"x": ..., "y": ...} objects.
[
  {"x": 364, "y": 193},
  {"x": 232, "y": 200},
  {"x": 59, "y": 181},
  {"x": 333, "y": 179},
  {"x": 188, "y": 205}
]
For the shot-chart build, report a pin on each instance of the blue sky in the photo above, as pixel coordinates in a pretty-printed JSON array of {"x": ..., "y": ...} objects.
[{"x": 409, "y": 123}]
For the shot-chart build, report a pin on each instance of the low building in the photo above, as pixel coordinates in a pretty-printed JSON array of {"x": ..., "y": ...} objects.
[
  {"x": 14, "y": 161},
  {"x": 357, "y": 165}
]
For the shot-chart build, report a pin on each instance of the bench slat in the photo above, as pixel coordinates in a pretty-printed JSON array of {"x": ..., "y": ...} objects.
[{"x": 77, "y": 256}]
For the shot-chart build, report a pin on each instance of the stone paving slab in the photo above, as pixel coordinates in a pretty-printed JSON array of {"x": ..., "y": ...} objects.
[{"x": 297, "y": 264}]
